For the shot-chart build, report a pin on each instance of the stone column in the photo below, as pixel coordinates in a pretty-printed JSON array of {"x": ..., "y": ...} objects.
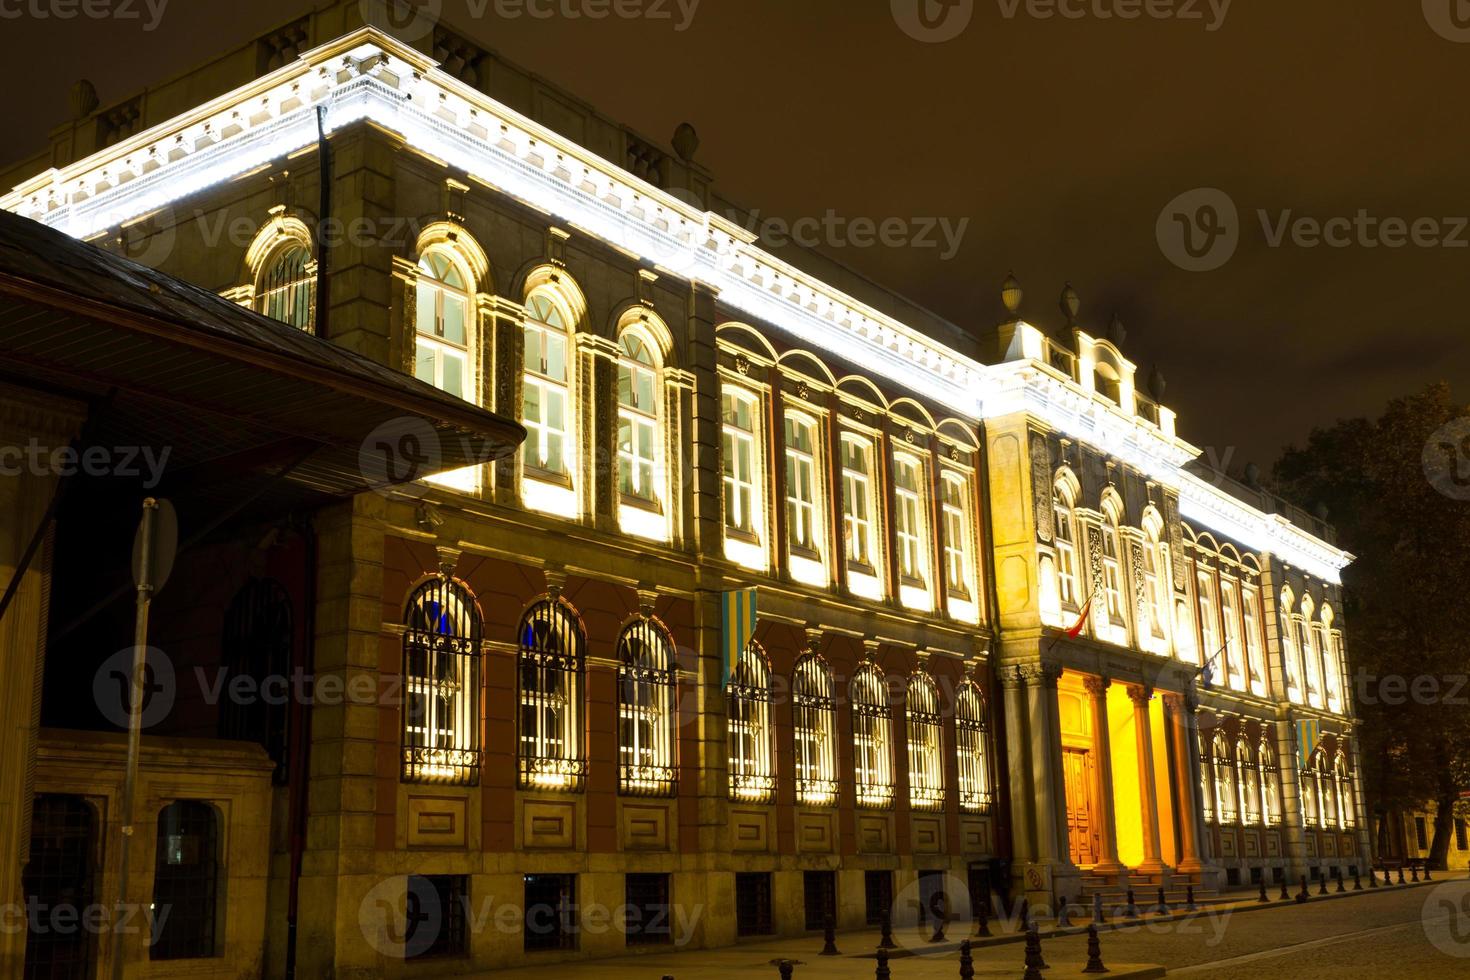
[
  {"x": 1107, "y": 858},
  {"x": 1041, "y": 703},
  {"x": 1023, "y": 821},
  {"x": 1148, "y": 789},
  {"x": 1186, "y": 782},
  {"x": 1293, "y": 827}
]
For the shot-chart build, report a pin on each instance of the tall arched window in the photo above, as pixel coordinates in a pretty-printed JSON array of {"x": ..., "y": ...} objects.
[
  {"x": 752, "y": 770},
  {"x": 1291, "y": 656},
  {"x": 1206, "y": 778},
  {"x": 814, "y": 715},
  {"x": 1331, "y": 663},
  {"x": 441, "y": 684},
  {"x": 545, "y": 400},
  {"x": 1227, "y": 797},
  {"x": 1251, "y": 622},
  {"x": 926, "y": 756},
  {"x": 287, "y": 287},
  {"x": 640, "y": 456},
  {"x": 552, "y": 676},
  {"x": 1112, "y": 566},
  {"x": 1312, "y": 808},
  {"x": 1233, "y": 660},
  {"x": 1346, "y": 807},
  {"x": 1270, "y": 784},
  {"x": 443, "y": 302},
  {"x": 872, "y": 737},
  {"x": 186, "y": 882},
  {"x": 1065, "y": 539},
  {"x": 646, "y": 709},
  {"x": 1248, "y": 779},
  {"x": 1155, "y": 582},
  {"x": 971, "y": 733}
]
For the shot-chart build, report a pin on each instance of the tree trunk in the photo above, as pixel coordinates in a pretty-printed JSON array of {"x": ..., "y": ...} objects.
[{"x": 1444, "y": 822}]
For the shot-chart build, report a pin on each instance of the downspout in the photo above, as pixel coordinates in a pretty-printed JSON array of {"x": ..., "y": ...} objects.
[
  {"x": 323, "y": 225},
  {"x": 300, "y": 753}
]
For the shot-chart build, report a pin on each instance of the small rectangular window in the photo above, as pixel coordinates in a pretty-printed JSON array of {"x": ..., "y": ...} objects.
[
  {"x": 647, "y": 899},
  {"x": 1461, "y": 843},
  {"x": 450, "y": 894},
  {"x": 803, "y": 528},
  {"x": 738, "y": 414},
  {"x": 908, "y": 519},
  {"x": 878, "y": 892},
  {"x": 957, "y": 559},
  {"x": 1421, "y": 833},
  {"x": 550, "y": 912},
  {"x": 819, "y": 898},
  {"x": 753, "y": 903},
  {"x": 857, "y": 499}
]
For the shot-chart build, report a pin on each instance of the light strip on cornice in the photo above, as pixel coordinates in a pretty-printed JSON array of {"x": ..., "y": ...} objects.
[
  {"x": 368, "y": 75},
  {"x": 1202, "y": 502}
]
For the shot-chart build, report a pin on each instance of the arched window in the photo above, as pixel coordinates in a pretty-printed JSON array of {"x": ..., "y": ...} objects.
[
  {"x": 443, "y": 300},
  {"x": 287, "y": 287},
  {"x": 814, "y": 714},
  {"x": 971, "y": 733},
  {"x": 552, "y": 665},
  {"x": 441, "y": 684},
  {"x": 1227, "y": 797},
  {"x": 1251, "y": 624},
  {"x": 640, "y": 455},
  {"x": 1331, "y": 662},
  {"x": 1270, "y": 784},
  {"x": 646, "y": 711},
  {"x": 545, "y": 401},
  {"x": 1155, "y": 582},
  {"x": 1311, "y": 655},
  {"x": 1346, "y": 807},
  {"x": 1291, "y": 657},
  {"x": 1206, "y": 779},
  {"x": 1065, "y": 539},
  {"x": 1209, "y": 622},
  {"x": 752, "y": 770},
  {"x": 926, "y": 758},
  {"x": 185, "y": 881},
  {"x": 1112, "y": 565},
  {"x": 872, "y": 737},
  {"x": 1233, "y": 660},
  {"x": 1248, "y": 779}
]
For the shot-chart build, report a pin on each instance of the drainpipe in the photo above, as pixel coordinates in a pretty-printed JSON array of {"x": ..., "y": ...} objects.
[{"x": 323, "y": 227}]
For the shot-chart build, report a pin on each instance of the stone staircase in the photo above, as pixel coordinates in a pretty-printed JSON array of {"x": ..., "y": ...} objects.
[{"x": 1114, "y": 889}]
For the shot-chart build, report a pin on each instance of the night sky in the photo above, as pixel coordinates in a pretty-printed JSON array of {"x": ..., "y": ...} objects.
[{"x": 1061, "y": 140}]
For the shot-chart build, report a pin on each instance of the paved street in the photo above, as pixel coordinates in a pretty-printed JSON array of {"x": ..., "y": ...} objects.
[{"x": 1421, "y": 931}]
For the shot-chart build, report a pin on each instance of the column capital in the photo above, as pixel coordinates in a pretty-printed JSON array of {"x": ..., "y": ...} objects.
[
  {"x": 1040, "y": 675},
  {"x": 1141, "y": 694},
  {"x": 1098, "y": 686}
]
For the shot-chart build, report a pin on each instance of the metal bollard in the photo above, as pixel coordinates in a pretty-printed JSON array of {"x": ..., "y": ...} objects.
[
  {"x": 1401, "y": 874},
  {"x": 1064, "y": 915},
  {"x": 1097, "y": 910},
  {"x": 1302, "y": 895},
  {"x": 1285, "y": 894},
  {"x": 1094, "y": 953},
  {"x": 1357, "y": 881},
  {"x": 1163, "y": 902},
  {"x": 1341, "y": 883},
  {"x": 1131, "y": 910},
  {"x": 786, "y": 967},
  {"x": 829, "y": 936},
  {"x": 1262, "y": 898},
  {"x": 967, "y": 962},
  {"x": 1033, "y": 949},
  {"x": 1426, "y": 872},
  {"x": 1414, "y": 873},
  {"x": 1321, "y": 884},
  {"x": 885, "y": 941},
  {"x": 1372, "y": 878},
  {"x": 883, "y": 972},
  {"x": 1025, "y": 914},
  {"x": 982, "y": 919}
]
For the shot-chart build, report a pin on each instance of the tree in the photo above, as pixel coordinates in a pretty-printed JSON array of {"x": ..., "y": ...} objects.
[{"x": 1398, "y": 489}]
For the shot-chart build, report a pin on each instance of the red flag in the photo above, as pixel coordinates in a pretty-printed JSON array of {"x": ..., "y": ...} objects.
[{"x": 1076, "y": 629}]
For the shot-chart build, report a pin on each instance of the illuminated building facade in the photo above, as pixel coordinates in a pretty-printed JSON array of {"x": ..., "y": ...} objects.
[{"x": 924, "y": 511}]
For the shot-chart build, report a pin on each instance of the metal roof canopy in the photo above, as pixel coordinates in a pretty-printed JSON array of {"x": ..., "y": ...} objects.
[{"x": 231, "y": 393}]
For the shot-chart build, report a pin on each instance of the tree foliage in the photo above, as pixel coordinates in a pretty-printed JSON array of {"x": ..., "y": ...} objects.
[{"x": 1398, "y": 490}]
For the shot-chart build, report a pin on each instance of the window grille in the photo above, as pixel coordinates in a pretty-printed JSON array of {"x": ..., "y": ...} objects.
[
  {"x": 646, "y": 710},
  {"x": 441, "y": 659},
  {"x": 926, "y": 772},
  {"x": 552, "y": 664}
]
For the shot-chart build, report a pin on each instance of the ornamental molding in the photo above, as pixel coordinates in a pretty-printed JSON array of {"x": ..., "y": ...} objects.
[{"x": 368, "y": 76}]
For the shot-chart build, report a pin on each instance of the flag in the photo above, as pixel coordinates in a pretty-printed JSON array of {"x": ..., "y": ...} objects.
[
  {"x": 1076, "y": 629},
  {"x": 1308, "y": 734},
  {"x": 737, "y": 610}
]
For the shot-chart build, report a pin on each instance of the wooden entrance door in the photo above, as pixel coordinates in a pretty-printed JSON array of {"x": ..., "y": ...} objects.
[{"x": 1082, "y": 839}]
